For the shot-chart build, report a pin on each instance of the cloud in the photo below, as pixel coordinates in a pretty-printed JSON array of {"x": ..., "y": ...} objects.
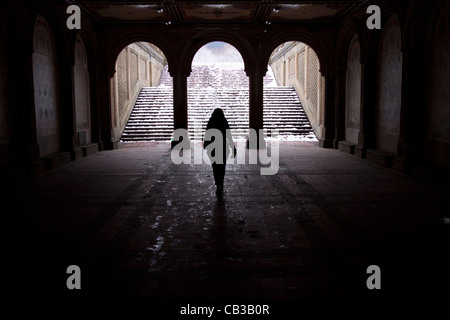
[{"x": 215, "y": 53}]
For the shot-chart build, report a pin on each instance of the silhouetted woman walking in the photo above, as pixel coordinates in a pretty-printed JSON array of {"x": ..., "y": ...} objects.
[{"x": 218, "y": 121}]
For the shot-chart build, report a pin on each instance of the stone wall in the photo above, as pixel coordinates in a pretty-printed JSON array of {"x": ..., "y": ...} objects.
[
  {"x": 353, "y": 92},
  {"x": 46, "y": 89},
  {"x": 296, "y": 64},
  {"x": 438, "y": 123},
  {"x": 387, "y": 125},
  {"x": 138, "y": 65},
  {"x": 82, "y": 94}
]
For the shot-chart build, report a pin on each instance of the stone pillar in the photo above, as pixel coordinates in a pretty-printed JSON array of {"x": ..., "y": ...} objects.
[
  {"x": 150, "y": 73},
  {"x": 306, "y": 72},
  {"x": 401, "y": 161},
  {"x": 26, "y": 135},
  {"x": 180, "y": 114},
  {"x": 360, "y": 149},
  {"x": 366, "y": 136},
  {"x": 256, "y": 90},
  {"x": 105, "y": 123},
  {"x": 129, "y": 88},
  {"x": 71, "y": 123},
  {"x": 340, "y": 111},
  {"x": 329, "y": 115}
]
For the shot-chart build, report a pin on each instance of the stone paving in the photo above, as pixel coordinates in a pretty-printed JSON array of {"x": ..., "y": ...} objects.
[{"x": 141, "y": 227}]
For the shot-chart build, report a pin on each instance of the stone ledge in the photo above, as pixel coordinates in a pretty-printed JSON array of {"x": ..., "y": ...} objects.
[
  {"x": 360, "y": 151},
  {"x": 56, "y": 160},
  {"x": 110, "y": 145},
  {"x": 89, "y": 149},
  {"x": 380, "y": 157},
  {"x": 76, "y": 154},
  {"x": 347, "y": 147}
]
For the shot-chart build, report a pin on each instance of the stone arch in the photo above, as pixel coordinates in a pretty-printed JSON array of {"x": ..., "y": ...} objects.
[
  {"x": 82, "y": 93},
  {"x": 91, "y": 47},
  {"x": 320, "y": 48},
  {"x": 353, "y": 91},
  {"x": 205, "y": 37},
  {"x": 140, "y": 64},
  {"x": 438, "y": 101},
  {"x": 307, "y": 78},
  {"x": 351, "y": 28},
  {"x": 390, "y": 9},
  {"x": 212, "y": 82},
  {"x": 346, "y": 35},
  {"x": 125, "y": 39},
  {"x": 388, "y": 108},
  {"x": 46, "y": 88}
]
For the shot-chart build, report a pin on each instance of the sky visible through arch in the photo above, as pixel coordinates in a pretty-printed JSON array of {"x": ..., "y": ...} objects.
[
  {"x": 221, "y": 55},
  {"x": 218, "y": 53}
]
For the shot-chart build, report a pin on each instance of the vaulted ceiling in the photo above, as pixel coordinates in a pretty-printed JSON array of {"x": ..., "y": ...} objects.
[{"x": 185, "y": 12}]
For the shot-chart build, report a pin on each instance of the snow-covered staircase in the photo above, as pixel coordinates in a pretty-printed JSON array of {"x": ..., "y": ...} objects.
[{"x": 209, "y": 87}]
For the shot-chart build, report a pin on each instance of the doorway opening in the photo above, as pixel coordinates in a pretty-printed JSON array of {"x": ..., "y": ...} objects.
[
  {"x": 218, "y": 80},
  {"x": 142, "y": 95},
  {"x": 293, "y": 92}
]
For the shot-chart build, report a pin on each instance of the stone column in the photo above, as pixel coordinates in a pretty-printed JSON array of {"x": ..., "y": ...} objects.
[
  {"x": 180, "y": 114},
  {"x": 256, "y": 105},
  {"x": 105, "y": 123},
  {"x": 400, "y": 162},
  {"x": 360, "y": 149},
  {"x": 329, "y": 115},
  {"x": 339, "y": 129},
  {"x": 129, "y": 88},
  {"x": 366, "y": 137},
  {"x": 71, "y": 121},
  {"x": 27, "y": 146},
  {"x": 150, "y": 73}
]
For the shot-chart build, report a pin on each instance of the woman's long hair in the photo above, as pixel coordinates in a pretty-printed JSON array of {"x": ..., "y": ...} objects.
[{"x": 218, "y": 121}]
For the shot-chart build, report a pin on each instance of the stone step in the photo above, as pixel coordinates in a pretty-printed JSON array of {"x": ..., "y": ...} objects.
[
  {"x": 268, "y": 113},
  {"x": 152, "y": 116}
]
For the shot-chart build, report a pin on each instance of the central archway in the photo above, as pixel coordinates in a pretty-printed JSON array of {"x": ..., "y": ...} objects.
[{"x": 218, "y": 80}]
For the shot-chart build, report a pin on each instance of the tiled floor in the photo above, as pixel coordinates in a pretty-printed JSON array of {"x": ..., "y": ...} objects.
[{"x": 140, "y": 226}]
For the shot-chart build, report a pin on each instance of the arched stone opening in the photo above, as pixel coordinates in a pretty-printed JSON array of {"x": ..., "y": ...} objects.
[
  {"x": 46, "y": 89},
  {"x": 137, "y": 109},
  {"x": 438, "y": 99},
  {"x": 388, "y": 108},
  {"x": 349, "y": 135},
  {"x": 82, "y": 95},
  {"x": 295, "y": 64},
  {"x": 218, "y": 80},
  {"x": 218, "y": 35}
]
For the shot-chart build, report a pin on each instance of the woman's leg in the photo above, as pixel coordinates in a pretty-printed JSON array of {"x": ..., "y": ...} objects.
[{"x": 219, "y": 173}]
